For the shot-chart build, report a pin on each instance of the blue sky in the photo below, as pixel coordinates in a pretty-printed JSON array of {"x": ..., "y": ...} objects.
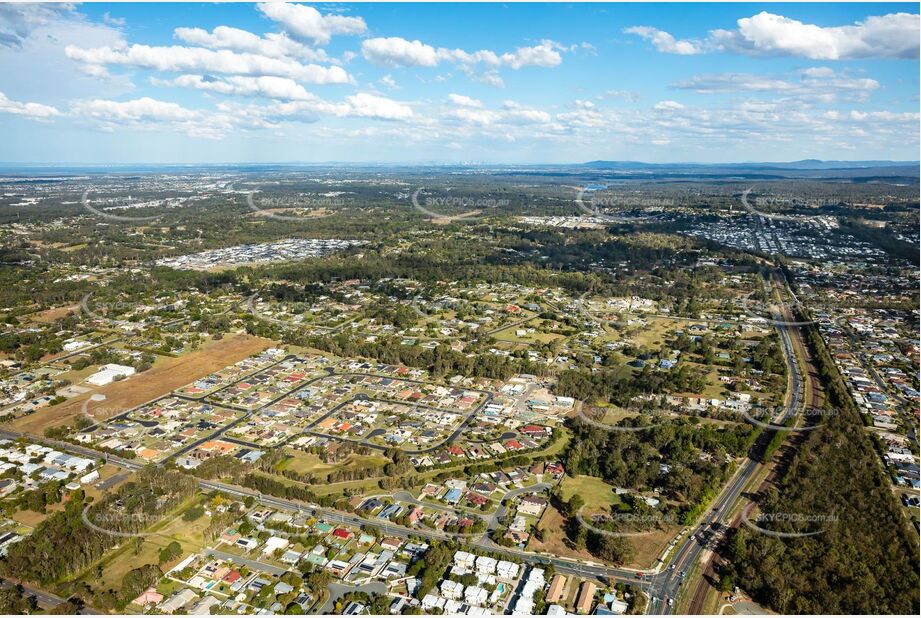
[{"x": 491, "y": 83}]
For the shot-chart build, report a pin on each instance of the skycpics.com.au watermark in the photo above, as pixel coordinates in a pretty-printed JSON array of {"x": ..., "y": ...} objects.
[
  {"x": 767, "y": 201},
  {"x": 775, "y": 201},
  {"x": 101, "y": 411},
  {"x": 110, "y": 207},
  {"x": 304, "y": 206},
  {"x": 651, "y": 521},
  {"x": 111, "y": 523},
  {"x": 92, "y": 308},
  {"x": 809, "y": 418},
  {"x": 434, "y": 207},
  {"x": 811, "y": 520},
  {"x": 774, "y": 311},
  {"x": 660, "y": 414},
  {"x": 591, "y": 202}
]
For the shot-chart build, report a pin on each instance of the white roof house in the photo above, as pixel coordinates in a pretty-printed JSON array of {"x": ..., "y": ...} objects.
[
  {"x": 486, "y": 565},
  {"x": 90, "y": 478},
  {"x": 108, "y": 373},
  {"x": 451, "y": 589},
  {"x": 464, "y": 559},
  {"x": 506, "y": 569},
  {"x": 474, "y": 595},
  {"x": 274, "y": 543}
]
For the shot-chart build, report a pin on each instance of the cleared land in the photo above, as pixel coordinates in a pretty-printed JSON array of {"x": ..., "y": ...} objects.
[
  {"x": 117, "y": 563},
  {"x": 55, "y": 313},
  {"x": 166, "y": 375},
  {"x": 309, "y": 463},
  {"x": 598, "y": 495}
]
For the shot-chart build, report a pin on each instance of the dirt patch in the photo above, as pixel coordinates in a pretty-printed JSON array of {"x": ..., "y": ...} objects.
[
  {"x": 303, "y": 213},
  {"x": 166, "y": 374},
  {"x": 55, "y": 313},
  {"x": 446, "y": 219},
  {"x": 29, "y": 518},
  {"x": 553, "y": 525},
  {"x": 647, "y": 548}
]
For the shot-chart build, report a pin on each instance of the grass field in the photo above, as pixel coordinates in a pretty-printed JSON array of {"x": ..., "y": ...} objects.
[
  {"x": 123, "y": 559},
  {"x": 50, "y": 315},
  {"x": 655, "y": 332},
  {"x": 308, "y": 463},
  {"x": 370, "y": 486},
  {"x": 598, "y": 495},
  {"x": 646, "y": 548},
  {"x": 29, "y": 518},
  {"x": 367, "y": 486},
  {"x": 166, "y": 375},
  {"x": 553, "y": 526},
  {"x": 538, "y": 336}
]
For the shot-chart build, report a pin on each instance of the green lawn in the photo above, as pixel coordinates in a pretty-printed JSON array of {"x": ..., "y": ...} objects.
[
  {"x": 308, "y": 463},
  {"x": 116, "y": 563},
  {"x": 598, "y": 495},
  {"x": 538, "y": 336}
]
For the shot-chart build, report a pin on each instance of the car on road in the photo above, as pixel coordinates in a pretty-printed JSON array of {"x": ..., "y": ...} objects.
[{"x": 671, "y": 602}]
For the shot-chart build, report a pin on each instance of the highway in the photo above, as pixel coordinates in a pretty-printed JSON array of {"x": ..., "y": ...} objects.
[
  {"x": 667, "y": 583},
  {"x": 660, "y": 584},
  {"x": 565, "y": 565}
]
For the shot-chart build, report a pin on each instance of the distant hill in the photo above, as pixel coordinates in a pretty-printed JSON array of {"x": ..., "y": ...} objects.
[{"x": 805, "y": 164}]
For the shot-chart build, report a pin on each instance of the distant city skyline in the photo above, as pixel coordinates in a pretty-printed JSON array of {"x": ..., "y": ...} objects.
[{"x": 492, "y": 84}]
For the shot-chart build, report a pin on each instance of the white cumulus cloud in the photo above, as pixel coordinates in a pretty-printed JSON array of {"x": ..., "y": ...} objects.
[
  {"x": 895, "y": 35},
  {"x": 308, "y": 23},
  {"x": 263, "y": 86},
  {"x": 182, "y": 59},
  {"x": 666, "y": 106},
  {"x": 36, "y": 111},
  {"x": 884, "y": 36},
  {"x": 372, "y": 106},
  {"x": 464, "y": 101},
  {"x": 400, "y": 52},
  {"x": 273, "y": 45},
  {"x": 664, "y": 42}
]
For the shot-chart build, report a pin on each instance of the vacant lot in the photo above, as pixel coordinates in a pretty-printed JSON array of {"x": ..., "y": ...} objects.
[
  {"x": 308, "y": 463},
  {"x": 118, "y": 562},
  {"x": 364, "y": 486},
  {"x": 29, "y": 518},
  {"x": 166, "y": 375},
  {"x": 539, "y": 335},
  {"x": 50, "y": 315},
  {"x": 598, "y": 495},
  {"x": 646, "y": 547},
  {"x": 555, "y": 541}
]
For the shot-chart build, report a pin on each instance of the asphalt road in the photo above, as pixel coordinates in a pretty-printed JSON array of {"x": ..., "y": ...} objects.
[
  {"x": 660, "y": 584},
  {"x": 667, "y": 584},
  {"x": 44, "y": 599}
]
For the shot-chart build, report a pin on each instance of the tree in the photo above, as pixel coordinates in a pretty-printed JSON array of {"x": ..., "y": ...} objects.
[
  {"x": 170, "y": 552},
  {"x": 574, "y": 505},
  {"x": 193, "y": 513},
  {"x": 14, "y": 601}
]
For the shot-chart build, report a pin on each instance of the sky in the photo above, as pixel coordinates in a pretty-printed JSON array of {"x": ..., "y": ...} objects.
[{"x": 450, "y": 83}]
